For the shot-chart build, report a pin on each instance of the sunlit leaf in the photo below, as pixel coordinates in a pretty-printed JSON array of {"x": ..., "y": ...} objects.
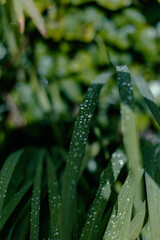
[
  {"x": 137, "y": 222},
  {"x": 31, "y": 9},
  {"x": 119, "y": 223},
  {"x": 19, "y": 14},
  {"x": 146, "y": 232}
]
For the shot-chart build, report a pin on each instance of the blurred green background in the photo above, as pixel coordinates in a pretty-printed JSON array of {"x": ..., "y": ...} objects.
[{"x": 45, "y": 71}]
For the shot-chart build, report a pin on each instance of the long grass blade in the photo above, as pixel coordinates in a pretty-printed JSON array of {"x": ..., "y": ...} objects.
[
  {"x": 130, "y": 136},
  {"x": 96, "y": 212},
  {"x": 137, "y": 222},
  {"x": 148, "y": 97},
  {"x": 146, "y": 232},
  {"x": 36, "y": 195},
  {"x": 22, "y": 231},
  {"x": 8, "y": 32},
  {"x": 36, "y": 17},
  {"x": 76, "y": 153},
  {"x": 12, "y": 204},
  {"x": 153, "y": 197},
  {"x": 152, "y": 173},
  {"x": 21, "y": 224},
  {"x": 54, "y": 199},
  {"x": 119, "y": 223},
  {"x": 6, "y": 174}
]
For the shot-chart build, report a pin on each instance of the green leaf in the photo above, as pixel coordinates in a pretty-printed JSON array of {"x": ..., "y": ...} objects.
[
  {"x": 153, "y": 198},
  {"x": 18, "y": 8},
  {"x": 131, "y": 141},
  {"x": 76, "y": 153},
  {"x": 114, "y": 5},
  {"x": 35, "y": 202},
  {"x": 96, "y": 212},
  {"x": 146, "y": 232},
  {"x": 6, "y": 174},
  {"x": 12, "y": 204},
  {"x": 137, "y": 222},
  {"x": 54, "y": 199},
  {"x": 8, "y": 32},
  {"x": 148, "y": 97},
  {"x": 119, "y": 223},
  {"x": 21, "y": 224},
  {"x": 36, "y": 17},
  {"x": 152, "y": 179}
]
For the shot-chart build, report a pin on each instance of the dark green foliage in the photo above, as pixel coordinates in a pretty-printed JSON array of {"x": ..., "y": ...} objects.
[
  {"x": 64, "y": 209},
  {"x": 98, "y": 180}
]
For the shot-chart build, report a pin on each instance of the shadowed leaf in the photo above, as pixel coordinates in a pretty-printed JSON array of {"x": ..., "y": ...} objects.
[
  {"x": 54, "y": 201},
  {"x": 36, "y": 195}
]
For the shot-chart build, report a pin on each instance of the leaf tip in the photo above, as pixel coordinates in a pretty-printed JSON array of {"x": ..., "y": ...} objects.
[{"x": 21, "y": 25}]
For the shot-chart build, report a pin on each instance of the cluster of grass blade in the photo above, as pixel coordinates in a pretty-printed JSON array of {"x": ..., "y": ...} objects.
[
  {"x": 29, "y": 6},
  {"x": 21, "y": 216},
  {"x": 19, "y": 7}
]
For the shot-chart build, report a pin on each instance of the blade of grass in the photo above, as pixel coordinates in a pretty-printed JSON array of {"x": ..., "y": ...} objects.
[
  {"x": 75, "y": 224},
  {"x": 96, "y": 212},
  {"x": 6, "y": 174},
  {"x": 137, "y": 222},
  {"x": 76, "y": 153},
  {"x": 130, "y": 135},
  {"x": 146, "y": 232},
  {"x": 35, "y": 202},
  {"x": 12, "y": 204},
  {"x": 18, "y": 8},
  {"x": 153, "y": 198},
  {"x": 119, "y": 223},
  {"x": 22, "y": 231},
  {"x": 54, "y": 199},
  {"x": 152, "y": 179},
  {"x": 8, "y": 32},
  {"x": 23, "y": 228},
  {"x": 148, "y": 97},
  {"x": 36, "y": 17}
]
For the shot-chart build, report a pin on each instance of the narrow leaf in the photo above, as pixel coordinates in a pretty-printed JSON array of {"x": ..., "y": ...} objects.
[
  {"x": 130, "y": 136},
  {"x": 35, "y": 203},
  {"x": 22, "y": 223},
  {"x": 12, "y": 204},
  {"x": 36, "y": 17},
  {"x": 119, "y": 223},
  {"x": 137, "y": 222},
  {"x": 148, "y": 97},
  {"x": 18, "y": 8},
  {"x": 152, "y": 178},
  {"x": 76, "y": 153},
  {"x": 96, "y": 212},
  {"x": 8, "y": 32},
  {"x": 54, "y": 201},
  {"x": 146, "y": 232},
  {"x": 6, "y": 174},
  {"x": 153, "y": 197}
]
